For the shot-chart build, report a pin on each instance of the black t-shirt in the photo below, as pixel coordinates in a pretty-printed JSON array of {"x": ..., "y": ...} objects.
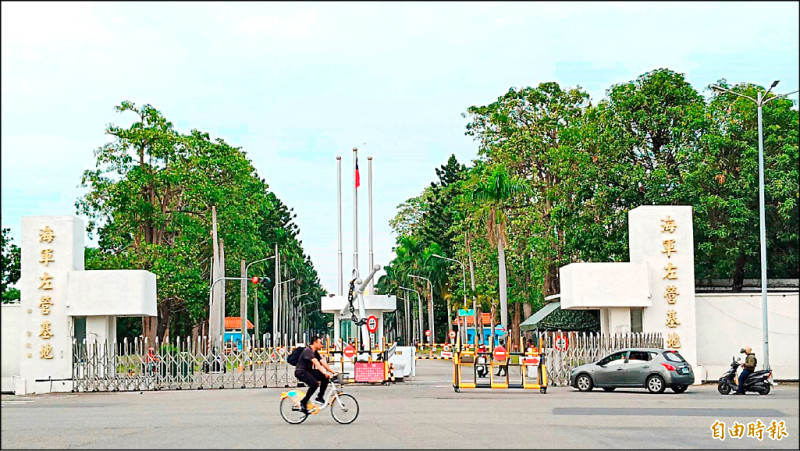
[{"x": 304, "y": 363}]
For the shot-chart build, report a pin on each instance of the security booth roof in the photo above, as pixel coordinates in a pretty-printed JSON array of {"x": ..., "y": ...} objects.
[{"x": 552, "y": 317}]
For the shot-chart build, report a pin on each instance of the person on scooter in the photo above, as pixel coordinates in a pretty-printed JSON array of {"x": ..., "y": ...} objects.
[{"x": 748, "y": 367}]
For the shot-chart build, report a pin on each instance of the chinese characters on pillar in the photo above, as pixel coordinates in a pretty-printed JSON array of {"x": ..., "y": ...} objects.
[
  {"x": 671, "y": 293},
  {"x": 46, "y": 235}
]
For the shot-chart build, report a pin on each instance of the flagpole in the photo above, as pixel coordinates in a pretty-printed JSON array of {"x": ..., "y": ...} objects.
[
  {"x": 340, "y": 290},
  {"x": 355, "y": 210},
  {"x": 369, "y": 196},
  {"x": 355, "y": 222}
]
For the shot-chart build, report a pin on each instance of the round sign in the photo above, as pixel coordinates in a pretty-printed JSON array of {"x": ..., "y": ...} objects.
[
  {"x": 372, "y": 324},
  {"x": 452, "y": 334},
  {"x": 446, "y": 348},
  {"x": 428, "y": 333},
  {"x": 561, "y": 342},
  {"x": 500, "y": 353},
  {"x": 349, "y": 351}
]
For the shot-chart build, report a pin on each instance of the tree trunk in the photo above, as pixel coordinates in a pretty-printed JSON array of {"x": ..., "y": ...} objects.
[
  {"x": 527, "y": 311},
  {"x": 515, "y": 327},
  {"x": 501, "y": 261},
  {"x": 493, "y": 315},
  {"x": 479, "y": 325},
  {"x": 150, "y": 328}
]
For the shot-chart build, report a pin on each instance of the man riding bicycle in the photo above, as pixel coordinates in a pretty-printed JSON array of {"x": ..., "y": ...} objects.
[{"x": 313, "y": 371}]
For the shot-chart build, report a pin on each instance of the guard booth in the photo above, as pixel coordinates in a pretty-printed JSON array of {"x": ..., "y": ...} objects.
[
  {"x": 375, "y": 368},
  {"x": 478, "y": 367}
]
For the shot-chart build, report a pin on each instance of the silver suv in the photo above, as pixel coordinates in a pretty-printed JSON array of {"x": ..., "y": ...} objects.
[{"x": 651, "y": 368}]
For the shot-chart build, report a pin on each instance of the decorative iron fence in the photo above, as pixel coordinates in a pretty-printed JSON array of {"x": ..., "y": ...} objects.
[
  {"x": 180, "y": 364},
  {"x": 583, "y": 347}
]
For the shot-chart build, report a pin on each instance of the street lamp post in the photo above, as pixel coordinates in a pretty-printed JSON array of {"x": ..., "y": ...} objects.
[
  {"x": 760, "y": 101},
  {"x": 211, "y": 288},
  {"x": 303, "y": 318},
  {"x": 255, "y": 305},
  {"x": 295, "y": 322},
  {"x": 419, "y": 301},
  {"x": 474, "y": 303},
  {"x": 430, "y": 309},
  {"x": 406, "y": 320},
  {"x": 275, "y": 339}
]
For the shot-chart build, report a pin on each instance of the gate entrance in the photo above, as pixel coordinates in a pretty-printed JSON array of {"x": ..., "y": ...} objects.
[{"x": 183, "y": 364}]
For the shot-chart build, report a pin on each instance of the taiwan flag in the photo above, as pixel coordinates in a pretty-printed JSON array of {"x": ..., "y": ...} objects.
[{"x": 358, "y": 177}]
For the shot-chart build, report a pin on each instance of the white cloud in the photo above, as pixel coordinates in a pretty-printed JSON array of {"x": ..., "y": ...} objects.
[
  {"x": 302, "y": 23},
  {"x": 50, "y": 25}
]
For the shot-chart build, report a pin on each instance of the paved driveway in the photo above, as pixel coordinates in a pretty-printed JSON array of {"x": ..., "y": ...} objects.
[{"x": 425, "y": 413}]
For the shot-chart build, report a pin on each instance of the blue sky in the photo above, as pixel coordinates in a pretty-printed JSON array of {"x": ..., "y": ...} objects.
[{"x": 295, "y": 84}]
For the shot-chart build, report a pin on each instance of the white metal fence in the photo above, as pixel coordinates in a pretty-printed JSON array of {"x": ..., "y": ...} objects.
[
  {"x": 180, "y": 364},
  {"x": 586, "y": 347}
]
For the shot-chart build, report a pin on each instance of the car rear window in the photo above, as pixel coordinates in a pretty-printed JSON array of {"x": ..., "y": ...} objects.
[{"x": 673, "y": 356}]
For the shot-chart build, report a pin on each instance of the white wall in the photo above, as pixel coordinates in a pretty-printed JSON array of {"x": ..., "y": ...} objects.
[
  {"x": 68, "y": 250},
  {"x": 728, "y": 322},
  {"x": 11, "y": 321},
  {"x": 109, "y": 292},
  {"x": 596, "y": 285},
  {"x": 646, "y": 243}
]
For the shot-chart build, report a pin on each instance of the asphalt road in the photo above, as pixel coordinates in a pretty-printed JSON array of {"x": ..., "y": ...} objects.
[{"x": 425, "y": 413}]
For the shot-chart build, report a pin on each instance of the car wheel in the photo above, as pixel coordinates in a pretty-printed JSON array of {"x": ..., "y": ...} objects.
[
  {"x": 765, "y": 389},
  {"x": 655, "y": 384},
  {"x": 584, "y": 382},
  {"x": 609, "y": 388},
  {"x": 679, "y": 388},
  {"x": 724, "y": 388}
]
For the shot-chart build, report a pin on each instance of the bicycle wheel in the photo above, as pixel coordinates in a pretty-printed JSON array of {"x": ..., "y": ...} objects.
[
  {"x": 291, "y": 413},
  {"x": 344, "y": 409}
]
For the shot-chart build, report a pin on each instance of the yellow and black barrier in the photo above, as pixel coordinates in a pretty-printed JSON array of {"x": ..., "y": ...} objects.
[{"x": 483, "y": 366}]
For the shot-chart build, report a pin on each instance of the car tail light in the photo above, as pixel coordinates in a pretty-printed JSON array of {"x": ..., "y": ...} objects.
[{"x": 668, "y": 366}]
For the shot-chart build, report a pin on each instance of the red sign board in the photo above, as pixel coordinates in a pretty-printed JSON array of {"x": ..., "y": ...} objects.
[
  {"x": 349, "y": 351},
  {"x": 452, "y": 334},
  {"x": 500, "y": 353},
  {"x": 369, "y": 371},
  {"x": 428, "y": 333},
  {"x": 372, "y": 324},
  {"x": 531, "y": 360},
  {"x": 561, "y": 342}
]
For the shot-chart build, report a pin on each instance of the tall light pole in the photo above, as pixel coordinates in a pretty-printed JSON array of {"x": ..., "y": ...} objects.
[
  {"x": 255, "y": 305},
  {"x": 760, "y": 101},
  {"x": 274, "y": 319},
  {"x": 406, "y": 320},
  {"x": 474, "y": 303},
  {"x": 419, "y": 301},
  {"x": 430, "y": 308},
  {"x": 295, "y": 322},
  {"x": 303, "y": 318}
]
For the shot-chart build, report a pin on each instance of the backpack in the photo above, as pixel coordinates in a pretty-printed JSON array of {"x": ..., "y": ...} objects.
[{"x": 294, "y": 357}]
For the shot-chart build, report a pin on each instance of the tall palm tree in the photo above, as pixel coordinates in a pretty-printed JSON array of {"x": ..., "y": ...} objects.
[{"x": 491, "y": 194}]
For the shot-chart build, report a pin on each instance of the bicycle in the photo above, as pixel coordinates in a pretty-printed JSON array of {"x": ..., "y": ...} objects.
[{"x": 344, "y": 407}]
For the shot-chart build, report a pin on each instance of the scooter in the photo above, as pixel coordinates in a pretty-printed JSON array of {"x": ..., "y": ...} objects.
[{"x": 758, "y": 381}]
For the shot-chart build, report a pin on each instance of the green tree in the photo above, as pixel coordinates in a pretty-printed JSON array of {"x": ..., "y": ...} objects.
[
  {"x": 150, "y": 200},
  {"x": 11, "y": 268},
  {"x": 491, "y": 196}
]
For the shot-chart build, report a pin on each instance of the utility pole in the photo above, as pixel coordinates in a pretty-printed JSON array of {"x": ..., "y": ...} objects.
[
  {"x": 760, "y": 101},
  {"x": 243, "y": 303}
]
